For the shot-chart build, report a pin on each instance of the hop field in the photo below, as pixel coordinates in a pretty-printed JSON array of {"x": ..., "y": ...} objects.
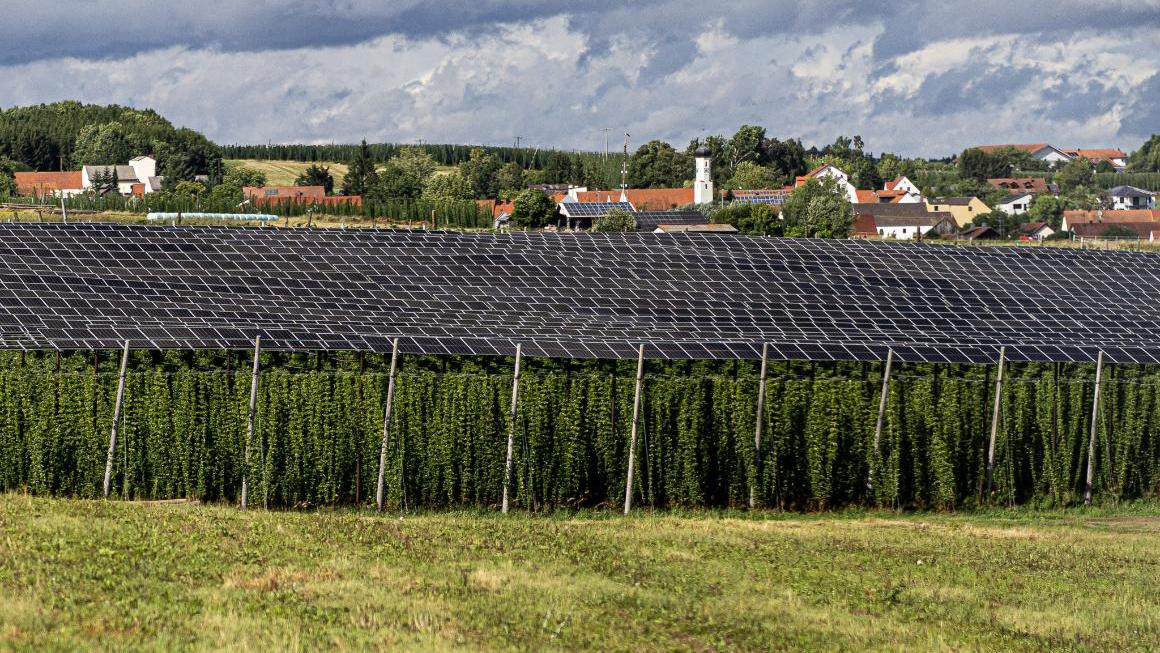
[{"x": 90, "y": 575}]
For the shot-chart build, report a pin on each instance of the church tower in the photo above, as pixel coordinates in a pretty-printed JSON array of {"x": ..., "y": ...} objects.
[{"x": 703, "y": 186}]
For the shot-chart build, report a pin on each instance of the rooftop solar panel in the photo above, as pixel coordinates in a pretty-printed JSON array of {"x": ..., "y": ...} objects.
[
  {"x": 592, "y": 209},
  {"x": 576, "y": 294}
]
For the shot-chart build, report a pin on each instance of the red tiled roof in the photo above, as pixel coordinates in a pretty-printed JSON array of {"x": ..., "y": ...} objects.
[
  {"x": 643, "y": 199},
  {"x": 44, "y": 183},
  {"x": 1025, "y": 184},
  {"x": 1097, "y": 230},
  {"x": 1030, "y": 148},
  {"x": 865, "y": 225},
  {"x": 879, "y": 196},
  {"x": 283, "y": 192},
  {"x": 1118, "y": 216},
  {"x": 1098, "y": 153},
  {"x": 508, "y": 207}
]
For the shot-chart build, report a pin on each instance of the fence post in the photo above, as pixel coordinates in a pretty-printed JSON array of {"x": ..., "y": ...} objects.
[
  {"x": 509, "y": 464},
  {"x": 250, "y": 427},
  {"x": 381, "y": 487},
  {"x": 881, "y": 417},
  {"x": 1091, "y": 468},
  {"x": 116, "y": 420},
  {"x": 757, "y": 429},
  {"x": 635, "y": 422},
  {"x": 995, "y": 423}
]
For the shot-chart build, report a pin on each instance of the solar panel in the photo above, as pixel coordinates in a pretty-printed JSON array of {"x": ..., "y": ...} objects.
[
  {"x": 760, "y": 196},
  {"x": 570, "y": 294},
  {"x": 592, "y": 209},
  {"x": 648, "y": 220}
]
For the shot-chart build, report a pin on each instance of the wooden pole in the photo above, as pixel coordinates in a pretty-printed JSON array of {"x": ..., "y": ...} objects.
[
  {"x": 116, "y": 420},
  {"x": 994, "y": 423},
  {"x": 508, "y": 466},
  {"x": 1091, "y": 467},
  {"x": 250, "y": 428},
  {"x": 881, "y": 416},
  {"x": 635, "y": 422},
  {"x": 380, "y": 489},
  {"x": 757, "y": 429}
]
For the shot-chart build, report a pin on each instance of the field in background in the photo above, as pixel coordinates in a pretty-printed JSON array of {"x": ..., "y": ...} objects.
[
  {"x": 94, "y": 575},
  {"x": 283, "y": 173}
]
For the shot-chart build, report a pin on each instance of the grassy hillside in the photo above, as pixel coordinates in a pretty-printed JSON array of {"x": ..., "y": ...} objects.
[
  {"x": 90, "y": 575},
  {"x": 283, "y": 173}
]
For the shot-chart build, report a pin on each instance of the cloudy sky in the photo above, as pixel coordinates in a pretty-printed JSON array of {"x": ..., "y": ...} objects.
[{"x": 916, "y": 77}]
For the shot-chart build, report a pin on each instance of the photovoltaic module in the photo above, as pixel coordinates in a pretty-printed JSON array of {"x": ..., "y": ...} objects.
[{"x": 581, "y": 295}]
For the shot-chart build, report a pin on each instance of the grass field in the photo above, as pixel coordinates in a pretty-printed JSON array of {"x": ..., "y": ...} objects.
[
  {"x": 89, "y": 575},
  {"x": 283, "y": 173}
]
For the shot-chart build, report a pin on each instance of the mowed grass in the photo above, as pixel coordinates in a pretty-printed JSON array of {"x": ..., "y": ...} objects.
[
  {"x": 87, "y": 575},
  {"x": 284, "y": 173}
]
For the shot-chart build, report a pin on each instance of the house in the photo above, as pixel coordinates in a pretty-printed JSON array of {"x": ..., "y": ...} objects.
[
  {"x": 884, "y": 197},
  {"x": 1114, "y": 156},
  {"x": 49, "y": 184},
  {"x": 904, "y": 184},
  {"x": 650, "y": 220},
  {"x": 1041, "y": 151},
  {"x": 760, "y": 196},
  {"x": 1035, "y": 231},
  {"x": 1077, "y": 217},
  {"x": 979, "y": 233},
  {"x": 579, "y": 215},
  {"x": 964, "y": 209},
  {"x": 1130, "y": 197},
  {"x": 644, "y": 199},
  {"x": 137, "y": 178},
  {"x": 1024, "y": 184},
  {"x": 709, "y": 228},
  {"x": 827, "y": 170},
  {"x": 1119, "y": 230},
  {"x": 901, "y": 221},
  {"x": 303, "y": 195},
  {"x": 1016, "y": 204}
]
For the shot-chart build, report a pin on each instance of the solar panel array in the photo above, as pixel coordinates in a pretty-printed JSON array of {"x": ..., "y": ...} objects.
[
  {"x": 648, "y": 220},
  {"x": 570, "y": 295},
  {"x": 760, "y": 196},
  {"x": 593, "y": 209}
]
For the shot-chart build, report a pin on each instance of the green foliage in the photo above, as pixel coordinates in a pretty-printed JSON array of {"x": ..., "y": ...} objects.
[
  {"x": 752, "y": 176},
  {"x": 532, "y": 208},
  {"x": 318, "y": 432},
  {"x": 1049, "y": 208},
  {"x": 7, "y": 178},
  {"x": 480, "y": 171},
  {"x": 1075, "y": 174},
  {"x": 1147, "y": 158},
  {"x": 451, "y": 186},
  {"x": 616, "y": 220},
  {"x": 510, "y": 179},
  {"x": 403, "y": 176},
  {"x": 818, "y": 209},
  {"x": 106, "y": 144},
  {"x": 980, "y": 166},
  {"x": 657, "y": 165},
  {"x": 891, "y": 166},
  {"x": 361, "y": 176},
  {"x": 189, "y": 189},
  {"x": 316, "y": 175},
  {"x": 750, "y": 219}
]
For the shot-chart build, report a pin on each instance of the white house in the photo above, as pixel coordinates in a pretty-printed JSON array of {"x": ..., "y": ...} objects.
[
  {"x": 1042, "y": 151},
  {"x": 902, "y": 184},
  {"x": 1129, "y": 197},
  {"x": 139, "y": 177},
  {"x": 703, "y": 184},
  {"x": 828, "y": 170},
  {"x": 1016, "y": 204}
]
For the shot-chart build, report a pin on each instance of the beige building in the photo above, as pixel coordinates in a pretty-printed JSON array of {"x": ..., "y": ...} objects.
[{"x": 964, "y": 209}]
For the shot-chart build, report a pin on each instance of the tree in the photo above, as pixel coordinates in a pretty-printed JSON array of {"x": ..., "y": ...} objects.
[
  {"x": 7, "y": 178},
  {"x": 1002, "y": 223},
  {"x": 1147, "y": 158},
  {"x": 316, "y": 175},
  {"x": 788, "y": 157},
  {"x": 1049, "y": 208},
  {"x": 1121, "y": 232},
  {"x": 1075, "y": 174},
  {"x": 657, "y": 165},
  {"x": 361, "y": 175},
  {"x": 451, "y": 186},
  {"x": 750, "y": 219},
  {"x": 235, "y": 177},
  {"x": 404, "y": 175},
  {"x": 532, "y": 208},
  {"x": 480, "y": 170},
  {"x": 1105, "y": 166},
  {"x": 104, "y": 180},
  {"x": 749, "y": 175},
  {"x": 981, "y": 166},
  {"x": 509, "y": 178},
  {"x": 891, "y": 166},
  {"x": 105, "y": 144},
  {"x": 189, "y": 189},
  {"x": 617, "y": 220},
  {"x": 745, "y": 145},
  {"x": 186, "y": 155},
  {"x": 818, "y": 209}
]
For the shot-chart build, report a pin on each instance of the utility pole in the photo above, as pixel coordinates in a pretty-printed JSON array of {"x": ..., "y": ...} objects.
[
  {"x": 605, "y": 130},
  {"x": 624, "y": 167},
  {"x": 518, "y": 139}
]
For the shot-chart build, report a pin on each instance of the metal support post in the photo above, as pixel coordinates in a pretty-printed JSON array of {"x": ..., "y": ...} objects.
[
  {"x": 881, "y": 417},
  {"x": 995, "y": 424},
  {"x": 1091, "y": 467},
  {"x": 509, "y": 464},
  {"x": 250, "y": 427},
  {"x": 635, "y": 422},
  {"x": 757, "y": 429},
  {"x": 380, "y": 490},
  {"x": 116, "y": 420}
]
